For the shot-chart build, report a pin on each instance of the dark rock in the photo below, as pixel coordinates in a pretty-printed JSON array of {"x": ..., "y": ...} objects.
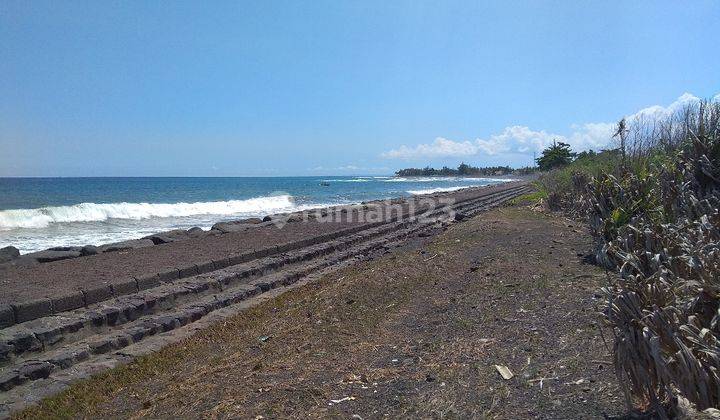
[
  {"x": 112, "y": 314},
  {"x": 25, "y": 341},
  {"x": 7, "y": 316},
  {"x": 168, "y": 237},
  {"x": 124, "y": 287},
  {"x": 97, "y": 294},
  {"x": 68, "y": 301},
  {"x": 50, "y": 256},
  {"x": 49, "y": 335},
  {"x": 64, "y": 360},
  {"x": 100, "y": 347},
  {"x": 195, "y": 231},
  {"x": 205, "y": 267},
  {"x": 424, "y": 234},
  {"x": 8, "y": 253},
  {"x": 26, "y": 311},
  {"x": 226, "y": 227},
  {"x": 36, "y": 370},
  {"x": 267, "y": 219},
  {"x": 5, "y": 351},
  {"x": 147, "y": 282},
  {"x": 9, "y": 380},
  {"x": 460, "y": 216},
  {"x": 187, "y": 271},
  {"x": 89, "y": 250},
  {"x": 169, "y": 276}
]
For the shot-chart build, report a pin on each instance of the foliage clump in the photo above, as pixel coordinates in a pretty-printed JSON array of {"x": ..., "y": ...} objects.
[{"x": 653, "y": 206}]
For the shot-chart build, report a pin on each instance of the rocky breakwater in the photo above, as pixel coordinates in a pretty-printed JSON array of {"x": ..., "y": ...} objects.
[{"x": 134, "y": 301}]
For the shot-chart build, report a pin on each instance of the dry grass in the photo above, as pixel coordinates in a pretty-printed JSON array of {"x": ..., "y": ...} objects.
[{"x": 415, "y": 333}]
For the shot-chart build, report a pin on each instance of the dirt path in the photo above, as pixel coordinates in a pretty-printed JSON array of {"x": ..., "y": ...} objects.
[{"x": 414, "y": 333}]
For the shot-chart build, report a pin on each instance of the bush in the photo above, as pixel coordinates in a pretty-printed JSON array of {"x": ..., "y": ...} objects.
[{"x": 653, "y": 206}]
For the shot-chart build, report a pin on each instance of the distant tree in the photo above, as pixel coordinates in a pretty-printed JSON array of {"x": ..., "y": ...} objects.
[
  {"x": 462, "y": 170},
  {"x": 586, "y": 154},
  {"x": 559, "y": 154}
]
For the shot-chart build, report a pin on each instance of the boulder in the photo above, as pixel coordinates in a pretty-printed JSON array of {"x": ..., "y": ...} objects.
[
  {"x": 50, "y": 255},
  {"x": 294, "y": 217},
  {"x": 89, "y": 250},
  {"x": 167, "y": 237},
  {"x": 195, "y": 232},
  {"x": 8, "y": 254},
  {"x": 226, "y": 227},
  {"x": 267, "y": 219},
  {"x": 460, "y": 216}
]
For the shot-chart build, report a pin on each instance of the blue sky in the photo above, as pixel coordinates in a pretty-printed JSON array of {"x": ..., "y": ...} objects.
[{"x": 217, "y": 88}]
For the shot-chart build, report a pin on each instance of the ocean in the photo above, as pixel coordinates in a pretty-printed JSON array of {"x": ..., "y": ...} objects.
[{"x": 39, "y": 213}]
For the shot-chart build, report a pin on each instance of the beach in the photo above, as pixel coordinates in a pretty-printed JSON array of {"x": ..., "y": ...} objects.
[
  {"x": 61, "y": 315},
  {"x": 415, "y": 327}
]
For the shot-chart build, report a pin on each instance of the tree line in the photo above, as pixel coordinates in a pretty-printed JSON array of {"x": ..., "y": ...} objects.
[{"x": 464, "y": 170}]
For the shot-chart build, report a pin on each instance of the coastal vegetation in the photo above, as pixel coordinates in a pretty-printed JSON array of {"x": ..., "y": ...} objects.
[
  {"x": 465, "y": 170},
  {"x": 652, "y": 205}
]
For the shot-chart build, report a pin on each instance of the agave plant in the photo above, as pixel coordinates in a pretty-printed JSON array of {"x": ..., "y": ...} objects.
[{"x": 662, "y": 233}]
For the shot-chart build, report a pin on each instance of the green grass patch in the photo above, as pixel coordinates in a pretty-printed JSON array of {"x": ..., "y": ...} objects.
[{"x": 530, "y": 198}]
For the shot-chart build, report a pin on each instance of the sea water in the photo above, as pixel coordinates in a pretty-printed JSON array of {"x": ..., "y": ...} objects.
[{"x": 39, "y": 213}]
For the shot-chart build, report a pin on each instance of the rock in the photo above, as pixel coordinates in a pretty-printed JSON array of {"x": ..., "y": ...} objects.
[
  {"x": 295, "y": 217},
  {"x": 32, "y": 309},
  {"x": 50, "y": 256},
  {"x": 36, "y": 369},
  {"x": 126, "y": 245},
  {"x": 167, "y": 237},
  {"x": 8, "y": 253},
  {"x": 460, "y": 216},
  {"x": 89, "y": 250},
  {"x": 226, "y": 227},
  {"x": 267, "y": 219},
  {"x": 195, "y": 231},
  {"x": 7, "y": 316}
]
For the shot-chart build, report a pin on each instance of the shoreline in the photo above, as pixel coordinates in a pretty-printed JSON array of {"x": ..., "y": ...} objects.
[
  {"x": 65, "y": 251},
  {"x": 59, "y": 316},
  {"x": 72, "y": 268},
  {"x": 37, "y": 229}
]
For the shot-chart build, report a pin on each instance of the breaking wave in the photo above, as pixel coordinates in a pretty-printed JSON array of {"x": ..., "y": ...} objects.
[
  {"x": 435, "y": 190},
  {"x": 92, "y": 212}
]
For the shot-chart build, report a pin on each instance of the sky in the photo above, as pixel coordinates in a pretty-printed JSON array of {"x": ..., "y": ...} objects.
[{"x": 276, "y": 88}]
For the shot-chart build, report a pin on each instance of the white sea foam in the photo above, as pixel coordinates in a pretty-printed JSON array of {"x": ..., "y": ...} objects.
[
  {"x": 347, "y": 180},
  {"x": 435, "y": 190},
  {"x": 92, "y": 212}
]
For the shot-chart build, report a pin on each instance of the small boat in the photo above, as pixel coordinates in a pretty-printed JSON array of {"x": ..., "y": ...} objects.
[{"x": 325, "y": 184}]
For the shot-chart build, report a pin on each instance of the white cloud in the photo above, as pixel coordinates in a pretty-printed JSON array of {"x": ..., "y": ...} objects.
[
  {"x": 441, "y": 147},
  {"x": 523, "y": 140},
  {"x": 657, "y": 112}
]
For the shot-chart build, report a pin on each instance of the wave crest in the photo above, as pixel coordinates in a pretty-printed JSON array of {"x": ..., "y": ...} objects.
[
  {"x": 435, "y": 190},
  {"x": 93, "y": 212}
]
